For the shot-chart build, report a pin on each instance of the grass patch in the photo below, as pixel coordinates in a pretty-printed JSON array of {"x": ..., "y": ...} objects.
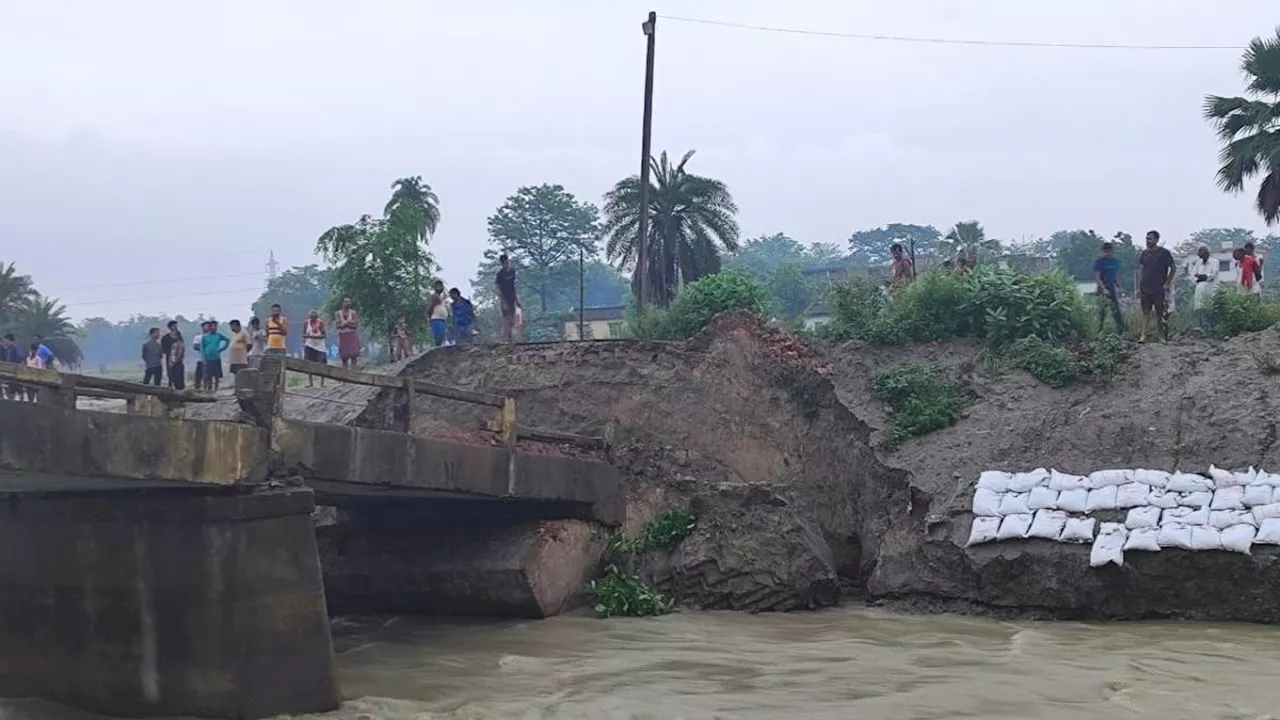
[
  {"x": 620, "y": 591},
  {"x": 919, "y": 398}
]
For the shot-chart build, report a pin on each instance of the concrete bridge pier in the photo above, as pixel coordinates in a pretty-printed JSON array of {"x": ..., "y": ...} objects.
[{"x": 164, "y": 601}]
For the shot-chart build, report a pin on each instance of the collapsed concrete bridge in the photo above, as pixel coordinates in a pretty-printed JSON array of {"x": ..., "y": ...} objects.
[{"x": 155, "y": 565}]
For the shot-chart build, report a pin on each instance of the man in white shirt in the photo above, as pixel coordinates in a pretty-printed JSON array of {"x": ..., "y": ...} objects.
[{"x": 1204, "y": 274}]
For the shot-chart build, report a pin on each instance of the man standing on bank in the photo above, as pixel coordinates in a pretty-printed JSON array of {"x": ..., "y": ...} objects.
[
  {"x": 1106, "y": 273},
  {"x": 505, "y": 283},
  {"x": 1156, "y": 273}
]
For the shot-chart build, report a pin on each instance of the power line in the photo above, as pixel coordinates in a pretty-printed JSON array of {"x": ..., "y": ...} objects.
[
  {"x": 157, "y": 280},
  {"x": 947, "y": 41},
  {"x": 162, "y": 297}
]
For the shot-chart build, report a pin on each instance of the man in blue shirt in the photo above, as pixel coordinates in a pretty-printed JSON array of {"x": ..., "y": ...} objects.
[
  {"x": 43, "y": 352},
  {"x": 464, "y": 316},
  {"x": 1106, "y": 271}
]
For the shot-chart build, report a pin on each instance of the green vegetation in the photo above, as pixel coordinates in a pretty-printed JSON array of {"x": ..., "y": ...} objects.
[
  {"x": 920, "y": 398},
  {"x": 1249, "y": 127},
  {"x": 620, "y": 591},
  {"x": 697, "y": 303},
  {"x": 691, "y": 220},
  {"x": 1231, "y": 313},
  {"x": 26, "y": 313}
]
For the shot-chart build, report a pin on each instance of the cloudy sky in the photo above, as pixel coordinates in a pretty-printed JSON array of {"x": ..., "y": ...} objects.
[{"x": 152, "y": 153}]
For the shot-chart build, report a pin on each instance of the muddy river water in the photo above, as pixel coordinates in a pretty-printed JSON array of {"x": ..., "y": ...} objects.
[{"x": 844, "y": 663}]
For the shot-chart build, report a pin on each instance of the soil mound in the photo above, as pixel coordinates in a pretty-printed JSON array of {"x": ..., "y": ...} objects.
[{"x": 741, "y": 420}]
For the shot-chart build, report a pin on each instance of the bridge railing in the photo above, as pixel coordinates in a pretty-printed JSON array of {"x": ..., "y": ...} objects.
[
  {"x": 62, "y": 388},
  {"x": 504, "y": 424}
]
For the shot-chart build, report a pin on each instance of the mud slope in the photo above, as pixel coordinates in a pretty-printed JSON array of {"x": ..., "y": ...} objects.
[
  {"x": 739, "y": 420},
  {"x": 1183, "y": 405}
]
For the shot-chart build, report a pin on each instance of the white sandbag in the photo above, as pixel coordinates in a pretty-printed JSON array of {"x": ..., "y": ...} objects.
[
  {"x": 1257, "y": 495},
  {"x": 1196, "y": 499},
  {"x": 1078, "y": 530},
  {"x": 1265, "y": 512},
  {"x": 1146, "y": 539},
  {"x": 1103, "y": 498},
  {"x": 1062, "y": 481},
  {"x": 1246, "y": 477},
  {"x": 1015, "y": 503},
  {"x": 986, "y": 502},
  {"x": 1275, "y": 497},
  {"x": 1174, "y": 536},
  {"x": 1132, "y": 494},
  {"x": 1014, "y": 527},
  {"x": 1154, "y": 478},
  {"x": 1268, "y": 532},
  {"x": 1266, "y": 478},
  {"x": 1161, "y": 498},
  {"x": 1108, "y": 547},
  {"x": 994, "y": 480},
  {"x": 984, "y": 530},
  {"x": 1076, "y": 501},
  {"x": 1142, "y": 517},
  {"x": 1185, "y": 516},
  {"x": 1206, "y": 537},
  {"x": 1228, "y": 498},
  {"x": 1223, "y": 519},
  {"x": 1042, "y": 498},
  {"x": 1104, "y": 478},
  {"x": 1023, "y": 482},
  {"x": 1238, "y": 538},
  {"x": 1048, "y": 524},
  {"x": 1222, "y": 478},
  {"x": 1189, "y": 482}
]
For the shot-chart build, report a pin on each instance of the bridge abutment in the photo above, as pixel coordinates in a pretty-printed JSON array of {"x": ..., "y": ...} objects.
[{"x": 159, "y": 602}]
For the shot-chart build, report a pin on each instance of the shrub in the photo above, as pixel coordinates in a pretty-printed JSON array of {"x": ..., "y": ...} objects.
[
  {"x": 620, "y": 591},
  {"x": 1004, "y": 306},
  {"x": 1231, "y": 313},
  {"x": 697, "y": 303},
  {"x": 1103, "y": 357},
  {"x": 920, "y": 399},
  {"x": 1049, "y": 363},
  {"x": 856, "y": 304},
  {"x": 927, "y": 309}
]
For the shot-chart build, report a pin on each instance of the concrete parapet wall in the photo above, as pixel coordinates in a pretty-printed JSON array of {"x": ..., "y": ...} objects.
[
  {"x": 51, "y": 439},
  {"x": 140, "y": 604}
]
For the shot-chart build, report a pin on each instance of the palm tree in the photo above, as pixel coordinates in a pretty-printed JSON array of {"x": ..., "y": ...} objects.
[
  {"x": 691, "y": 222},
  {"x": 1249, "y": 128},
  {"x": 969, "y": 240},
  {"x": 47, "y": 318},
  {"x": 15, "y": 290},
  {"x": 413, "y": 202}
]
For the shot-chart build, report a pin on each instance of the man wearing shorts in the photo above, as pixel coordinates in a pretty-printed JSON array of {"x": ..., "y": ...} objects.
[
  {"x": 315, "y": 347},
  {"x": 1156, "y": 272},
  {"x": 212, "y": 343},
  {"x": 277, "y": 332},
  {"x": 505, "y": 283}
]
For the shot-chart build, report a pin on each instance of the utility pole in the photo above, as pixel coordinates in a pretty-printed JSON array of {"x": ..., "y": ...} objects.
[
  {"x": 650, "y": 27},
  {"x": 582, "y": 293}
]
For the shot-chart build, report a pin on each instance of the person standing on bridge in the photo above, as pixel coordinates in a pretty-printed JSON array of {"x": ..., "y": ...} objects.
[
  {"x": 314, "y": 347},
  {"x": 464, "y": 317},
  {"x": 277, "y": 332},
  {"x": 347, "y": 321},
  {"x": 152, "y": 358},
  {"x": 438, "y": 313},
  {"x": 175, "y": 357},
  {"x": 238, "y": 352},
  {"x": 505, "y": 284},
  {"x": 11, "y": 353},
  {"x": 211, "y": 346}
]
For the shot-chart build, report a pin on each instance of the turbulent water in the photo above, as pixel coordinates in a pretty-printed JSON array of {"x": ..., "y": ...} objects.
[{"x": 835, "y": 664}]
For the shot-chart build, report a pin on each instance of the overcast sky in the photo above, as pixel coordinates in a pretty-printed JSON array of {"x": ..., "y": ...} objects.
[{"x": 147, "y": 142}]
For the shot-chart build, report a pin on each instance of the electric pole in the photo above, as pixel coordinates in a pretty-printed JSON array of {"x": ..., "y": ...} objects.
[{"x": 650, "y": 27}]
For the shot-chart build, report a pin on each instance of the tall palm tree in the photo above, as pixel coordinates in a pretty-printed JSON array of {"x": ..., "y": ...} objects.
[
  {"x": 15, "y": 290},
  {"x": 691, "y": 222},
  {"x": 413, "y": 202},
  {"x": 47, "y": 318},
  {"x": 1249, "y": 127},
  {"x": 969, "y": 240}
]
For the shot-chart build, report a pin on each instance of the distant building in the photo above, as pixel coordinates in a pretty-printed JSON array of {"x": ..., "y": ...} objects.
[
  {"x": 598, "y": 323},
  {"x": 817, "y": 316}
]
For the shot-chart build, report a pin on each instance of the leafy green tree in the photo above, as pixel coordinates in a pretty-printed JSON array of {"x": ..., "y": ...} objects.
[
  {"x": 691, "y": 222},
  {"x": 297, "y": 290},
  {"x": 541, "y": 228},
  {"x": 871, "y": 247},
  {"x": 1075, "y": 252},
  {"x": 111, "y": 343},
  {"x": 765, "y": 254},
  {"x": 604, "y": 285},
  {"x": 1216, "y": 238},
  {"x": 15, "y": 291},
  {"x": 698, "y": 302},
  {"x": 47, "y": 318},
  {"x": 1249, "y": 128},
  {"x": 413, "y": 209},
  {"x": 791, "y": 294},
  {"x": 968, "y": 239},
  {"x": 382, "y": 264},
  {"x": 821, "y": 254}
]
